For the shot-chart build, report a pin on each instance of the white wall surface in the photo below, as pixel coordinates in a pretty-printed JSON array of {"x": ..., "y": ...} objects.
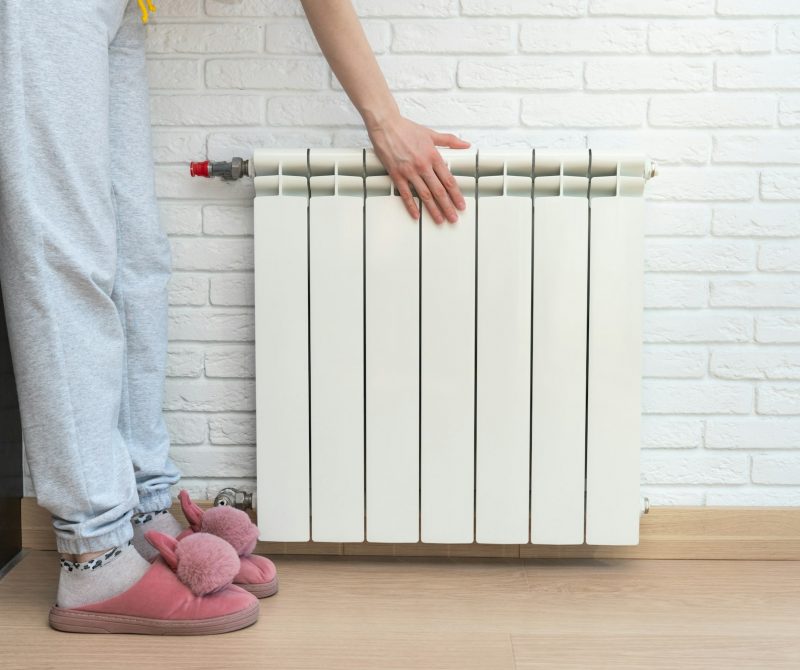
[{"x": 710, "y": 89}]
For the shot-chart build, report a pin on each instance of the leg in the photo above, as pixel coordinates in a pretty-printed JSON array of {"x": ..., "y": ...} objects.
[
  {"x": 143, "y": 268},
  {"x": 58, "y": 257}
]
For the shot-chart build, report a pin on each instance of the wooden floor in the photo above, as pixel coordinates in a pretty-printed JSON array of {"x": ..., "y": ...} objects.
[{"x": 429, "y": 613}]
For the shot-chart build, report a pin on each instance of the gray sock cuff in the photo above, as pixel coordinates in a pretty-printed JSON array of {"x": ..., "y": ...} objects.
[{"x": 93, "y": 563}]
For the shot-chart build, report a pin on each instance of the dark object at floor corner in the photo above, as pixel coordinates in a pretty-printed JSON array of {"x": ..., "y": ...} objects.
[{"x": 10, "y": 454}]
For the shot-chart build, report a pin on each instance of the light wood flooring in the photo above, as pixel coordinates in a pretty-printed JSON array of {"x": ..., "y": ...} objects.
[{"x": 351, "y": 613}]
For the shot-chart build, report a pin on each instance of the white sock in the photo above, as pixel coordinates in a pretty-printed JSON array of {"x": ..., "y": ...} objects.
[
  {"x": 99, "y": 578},
  {"x": 161, "y": 520}
]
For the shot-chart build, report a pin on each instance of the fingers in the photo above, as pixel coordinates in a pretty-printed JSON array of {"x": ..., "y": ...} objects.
[
  {"x": 449, "y": 182},
  {"x": 401, "y": 184},
  {"x": 428, "y": 199},
  {"x": 449, "y": 140}
]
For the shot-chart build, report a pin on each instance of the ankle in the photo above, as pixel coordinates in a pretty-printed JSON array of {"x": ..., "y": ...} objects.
[{"x": 81, "y": 558}]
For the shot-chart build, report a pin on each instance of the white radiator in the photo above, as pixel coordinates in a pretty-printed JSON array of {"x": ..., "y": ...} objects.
[{"x": 452, "y": 383}]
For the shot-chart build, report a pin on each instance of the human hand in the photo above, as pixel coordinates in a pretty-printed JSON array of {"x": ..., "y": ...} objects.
[{"x": 408, "y": 152}]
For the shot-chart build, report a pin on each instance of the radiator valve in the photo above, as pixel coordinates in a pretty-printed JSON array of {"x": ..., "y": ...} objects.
[
  {"x": 234, "y": 498},
  {"x": 235, "y": 168}
]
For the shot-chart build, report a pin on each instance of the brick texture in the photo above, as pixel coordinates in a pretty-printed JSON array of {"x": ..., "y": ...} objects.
[{"x": 710, "y": 89}]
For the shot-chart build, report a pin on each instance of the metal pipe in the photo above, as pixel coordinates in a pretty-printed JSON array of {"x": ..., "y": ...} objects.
[{"x": 234, "y": 498}]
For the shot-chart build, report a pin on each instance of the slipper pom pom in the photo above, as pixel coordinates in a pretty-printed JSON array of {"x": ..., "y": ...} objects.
[
  {"x": 232, "y": 525},
  {"x": 206, "y": 563}
]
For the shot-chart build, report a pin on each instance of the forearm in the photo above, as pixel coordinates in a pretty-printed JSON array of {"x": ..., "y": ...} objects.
[{"x": 344, "y": 44}]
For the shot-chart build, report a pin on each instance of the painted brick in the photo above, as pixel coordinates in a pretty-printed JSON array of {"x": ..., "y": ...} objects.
[
  {"x": 232, "y": 429},
  {"x": 227, "y": 220},
  {"x": 212, "y": 253},
  {"x": 188, "y": 289},
  {"x": 453, "y": 36},
  {"x": 770, "y": 73},
  {"x": 210, "y": 325},
  {"x": 664, "y": 218},
  {"x": 701, "y": 184},
  {"x": 206, "y": 110},
  {"x": 767, "y": 146},
  {"x": 186, "y": 427},
  {"x": 699, "y": 256},
  {"x": 789, "y": 36},
  {"x": 583, "y": 36},
  {"x": 789, "y": 110},
  {"x": 650, "y": 73},
  {"x": 781, "y": 470},
  {"x": 176, "y": 38},
  {"x": 781, "y": 256},
  {"x": 231, "y": 362},
  {"x": 688, "y": 37},
  {"x": 688, "y": 397},
  {"x": 778, "y": 328},
  {"x": 180, "y": 219},
  {"x": 712, "y": 110},
  {"x": 207, "y": 395},
  {"x": 669, "y": 362},
  {"x": 297, "y": 37},
  {"x": 666, "y": 432},
  {"x": 234, "y": 290},
  {"x": 778, "y": 399},
  {"x": 780, "y": 184},
  {"x": 696, "y": 326},
  {"x": 769, "y": 220},
  {"x": 253, "y": 8},
  {"x": 666, "y": 291},
  {"x": 523, "y": 7},
  {"x": 682, "y": 468},
  {"x": 267, "y": 73},
  {"x": 182, "y": 362},
  {"x": 758, "y": 8},
  {"x": 606, "y": 110},
  {"x": 752, "y": 433},
  {"x": 759, "y": 292},
  {"x": 405, "y": 73},
  {"x": 173, "y": 73},
  {"x": 661, "y": 8},
  {"x": 755, "y": 363},
  {"x": 526, "y": 73},
  {"x": 177, "y": 146}
]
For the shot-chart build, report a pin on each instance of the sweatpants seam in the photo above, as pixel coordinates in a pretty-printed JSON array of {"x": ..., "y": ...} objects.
[{"x": 123, "y": 320}]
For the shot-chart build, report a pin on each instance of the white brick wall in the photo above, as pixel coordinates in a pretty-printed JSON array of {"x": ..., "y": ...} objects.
[{"x": 710, "y": 89}]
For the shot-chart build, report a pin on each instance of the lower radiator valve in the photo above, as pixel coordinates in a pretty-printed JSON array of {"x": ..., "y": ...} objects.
[
  {"x": 235, "y": 168},
  {"x": 234, "y": 498}
]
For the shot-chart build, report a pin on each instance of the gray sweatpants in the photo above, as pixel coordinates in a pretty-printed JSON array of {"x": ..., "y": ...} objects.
[{"x": 84, "y": 264}]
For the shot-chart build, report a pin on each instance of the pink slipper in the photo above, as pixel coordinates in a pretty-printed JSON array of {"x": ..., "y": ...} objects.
[
  {"x": 188, "y": 590},
  {"x": 258, "y": 574}
]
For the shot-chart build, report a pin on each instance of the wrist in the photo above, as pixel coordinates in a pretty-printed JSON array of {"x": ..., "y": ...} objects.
[{"x": 381, "y": 116}]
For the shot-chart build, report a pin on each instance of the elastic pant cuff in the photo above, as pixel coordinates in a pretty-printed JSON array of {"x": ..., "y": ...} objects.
[
  {"x": 83, "y": 545},
  {"x": 156, "y": 500}
]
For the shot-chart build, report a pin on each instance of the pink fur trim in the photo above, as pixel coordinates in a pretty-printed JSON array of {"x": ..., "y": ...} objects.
[
  {"x": 206, "y": 563},
  {"x": 232, "y": 525}
]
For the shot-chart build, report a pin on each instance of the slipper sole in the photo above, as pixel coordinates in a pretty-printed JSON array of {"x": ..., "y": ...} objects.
[
  {"x": 262, "y": 590},
  {"x": 77, "y": 621}
]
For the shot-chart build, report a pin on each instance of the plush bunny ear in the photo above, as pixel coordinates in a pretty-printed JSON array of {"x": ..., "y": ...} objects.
[
  {"x": 166, "y": 545},
  {"x": 193, "y": 514}
]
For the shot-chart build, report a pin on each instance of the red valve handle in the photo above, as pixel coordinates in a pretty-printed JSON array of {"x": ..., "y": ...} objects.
[{"x": 199, "y": 169}]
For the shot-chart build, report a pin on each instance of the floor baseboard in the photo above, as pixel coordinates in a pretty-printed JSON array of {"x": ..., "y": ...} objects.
[{"x": 726, "y": 533}]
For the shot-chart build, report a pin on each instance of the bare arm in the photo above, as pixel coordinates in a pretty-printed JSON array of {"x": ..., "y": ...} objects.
[{"x": 406, "y": 149}]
